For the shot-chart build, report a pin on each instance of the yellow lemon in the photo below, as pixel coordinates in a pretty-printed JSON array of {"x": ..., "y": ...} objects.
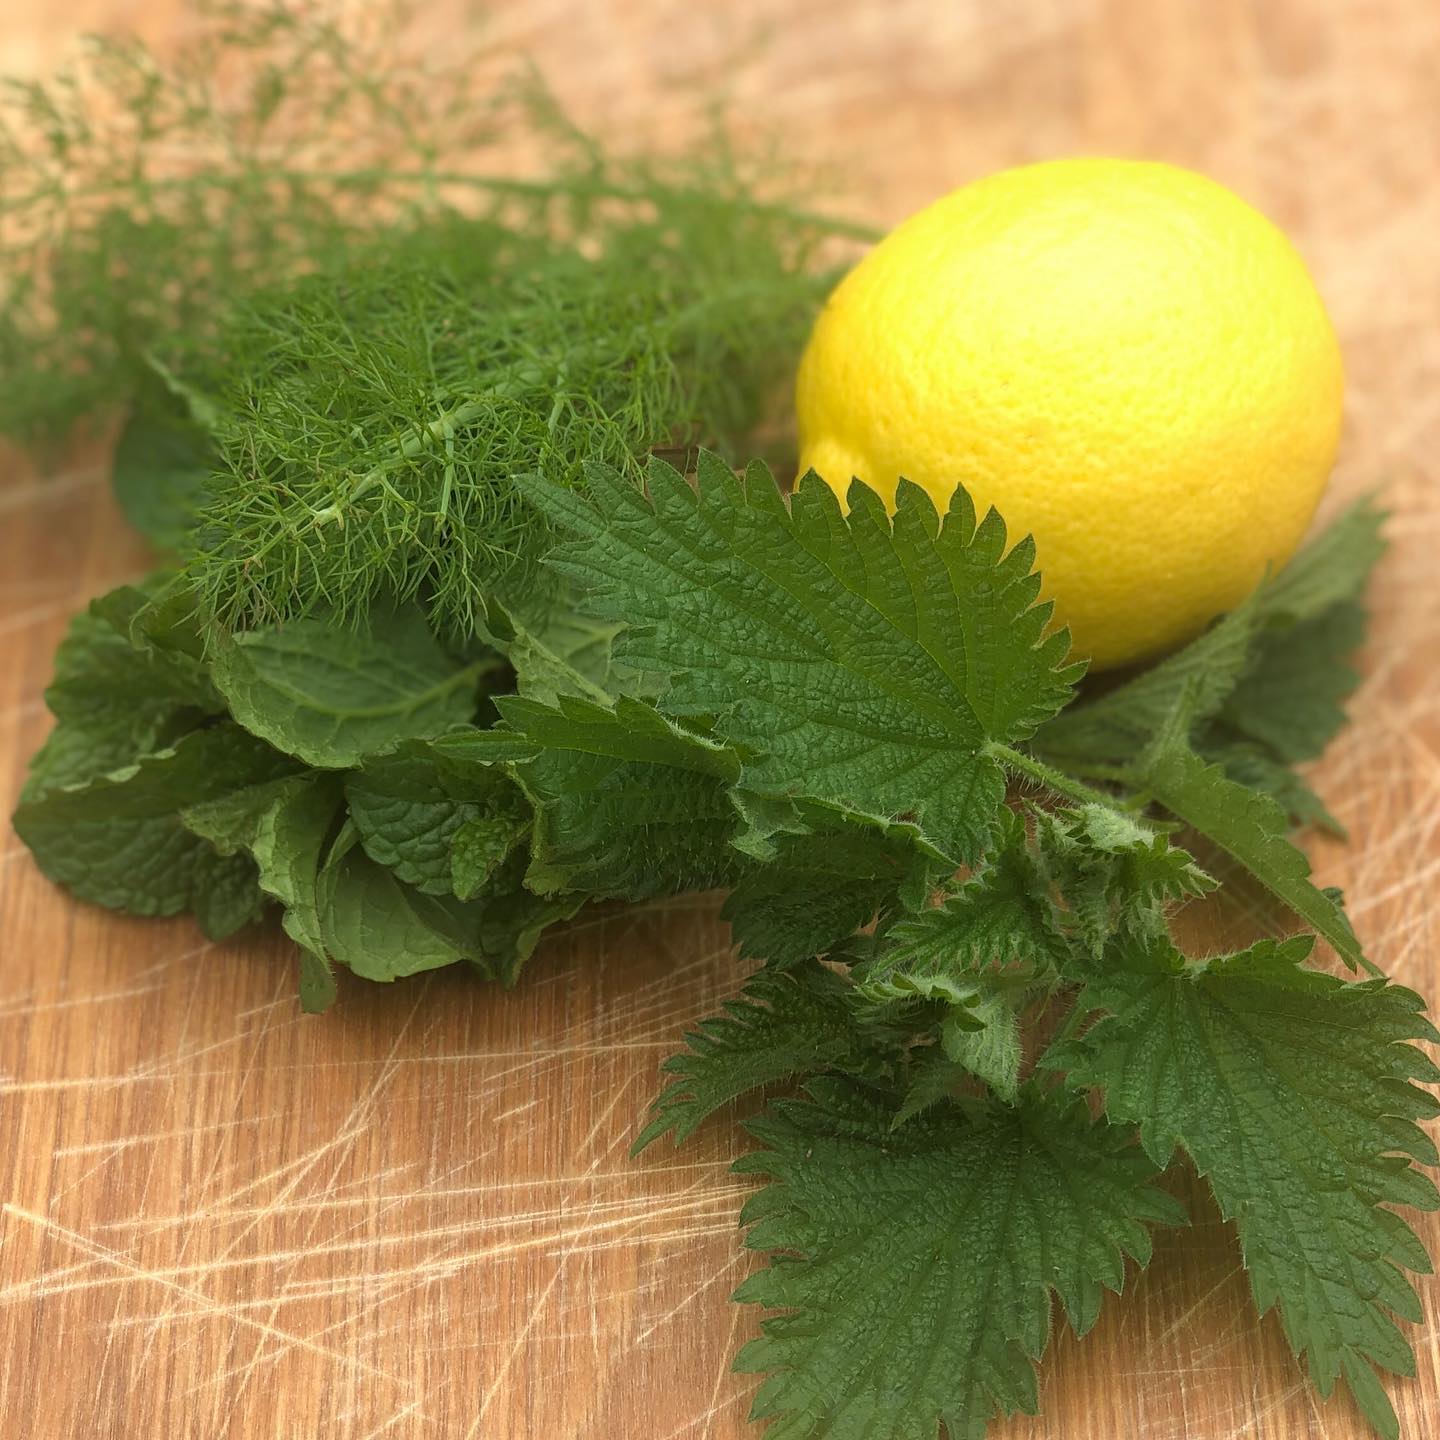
[{"x": 1124, "y": 358}]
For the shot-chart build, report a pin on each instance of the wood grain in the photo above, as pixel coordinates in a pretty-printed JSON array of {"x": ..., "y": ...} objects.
[{"x": 414, "y": 1218}]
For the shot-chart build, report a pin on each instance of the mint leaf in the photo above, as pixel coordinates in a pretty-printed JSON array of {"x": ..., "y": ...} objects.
[
  {"x": 556, "y": 650},
  {"x": 871, "y": 664},
  {"x": 382, "y": 929},
  {"x": 160, "y": 469},
  {"x": 1251, "y": 829},
  {"x": 285, "y": 826},
  {"x": 332, "y": 696},
  {"x": 113, "y": 700},
  {"x": 1291, "y": 1092},
  {"x": 831, "y": 875},
  {"x": 375, "y": 925},
  {"x": 227, "y": 894},
  {"x": 786, "y": 1024},
  {"x": 480, "y": 846},
  {"x": 511, "y": 921},
  {"x": 627, "y": 804},
  {"x": 118, "y": 840},
  {"x": 918, "y": 1262},
  {"x": 442, "y": 827}
]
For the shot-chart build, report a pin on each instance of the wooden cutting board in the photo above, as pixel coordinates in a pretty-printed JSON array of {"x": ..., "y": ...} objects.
[{"x": 414, "y": 1217}]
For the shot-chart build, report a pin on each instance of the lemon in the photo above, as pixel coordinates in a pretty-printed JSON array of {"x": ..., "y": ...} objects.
[{"x": 1124, "y": 358}]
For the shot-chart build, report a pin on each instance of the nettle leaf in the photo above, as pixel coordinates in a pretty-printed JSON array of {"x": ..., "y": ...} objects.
[
  {"x": 442, "y": 827},
  {"x": 1250, "y": 828},
  {"x": 332, "y": 696},
  {"x": 834, "y": 873},
  {"x": 285, "y": 827},
  {"x": 627, "y": 803},
  {"x": 118, "y": 840},
  {"x": 918, "y": 1263},
  {"x": 983, "y": 1035},
  {"x": 1333, "y": 568},
  {"x": 1002, "y": 917},
  {"x": 1292, "y": 701},
  {"x": 1122, "y": 721},
  {"x": 1291, "y": 1091},
  {"x": 786, "y": 1024},
  {"x": 981, "y": 954},
  {"x": 883, "y": 666},
  {"x": 1113, "y": 872},
  {"x": 1325, "y": 580},
  {"x": 1248, "y": 764},
  {"x": 932, "y": 1077}
]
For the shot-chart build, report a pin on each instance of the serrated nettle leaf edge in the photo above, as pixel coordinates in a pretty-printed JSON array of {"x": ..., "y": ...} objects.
[
  {"x": 850, "y": 689},
  {"x": 884, "y": 663}
]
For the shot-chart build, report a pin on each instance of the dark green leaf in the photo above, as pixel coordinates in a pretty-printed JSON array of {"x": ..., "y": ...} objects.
[
  {"x": 285, "y": 826},
  {"x": 786, "y": 1024},
  {"x": 833, "y": 874},
  {"x": 114, "y": 697},
  {"x": 852, "y": 660},
  {"x": 332, "y": 696},
  {"x": 1331, "y": 569},
  {"x": 1242, "y": 648},
  {"x": 983, "y": 1036},
  {"x": 1113, "y": 872},
  {"x": 162, "y": 463},
  {"x": 442, "y": 827},
  {"x": 227, "y": 894},
  {"x": 1122, "y": 721},
  {"x": 373, "y": 923},
  {"x": 556, "y": 650},
  {"x": 118, "y": 840},
  {"x": 627, "y": 804},
  {"x": 1292, "y": 701},
  {"x": 1291, "y": 1092},
  {"x": 1002, "y": 918},
  {"x": 918, "y": 1263},
  {"x": 1247, "y": 764},
  {"x": 1250, "y": 828}
]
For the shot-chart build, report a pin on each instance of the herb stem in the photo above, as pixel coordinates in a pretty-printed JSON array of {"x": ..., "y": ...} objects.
[
  {"x": 495, "y": 184},
  {"x": 441, "y": 427},
  {"x": 1112, "y": 774},
  {"x": 1072, "y": 1021},
  {"x": 1056, "y": 780}
]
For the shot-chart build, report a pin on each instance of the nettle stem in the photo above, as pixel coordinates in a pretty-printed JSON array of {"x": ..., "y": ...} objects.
[{"x": 1019, "y": 763}]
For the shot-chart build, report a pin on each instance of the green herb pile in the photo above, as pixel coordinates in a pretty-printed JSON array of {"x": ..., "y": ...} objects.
[{"x": 449, "y": 649}]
